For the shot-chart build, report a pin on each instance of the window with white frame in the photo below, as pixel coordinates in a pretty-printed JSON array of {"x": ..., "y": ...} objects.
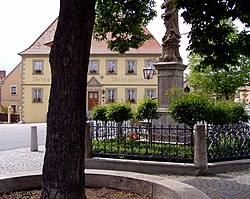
[
  {"x": 37, "y": 66},
  {"x": 93, "y": 66},
  {"x": 131, "y": 95},
  {"x": 150, "y": 93},
  {"x": 111, "y": 66},
  {"x": 111, "y": 95},
  {"x": 149, "y": 63},
  {"x": 13, "y": 90},
  {"x": 131, "y": 66},
  {"x": 37, "y": 94}
]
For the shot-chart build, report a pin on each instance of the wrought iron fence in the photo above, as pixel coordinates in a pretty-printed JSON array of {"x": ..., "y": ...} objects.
[
  {"x": 148, "y": 142},
  {"x": 229, "y": 142}
]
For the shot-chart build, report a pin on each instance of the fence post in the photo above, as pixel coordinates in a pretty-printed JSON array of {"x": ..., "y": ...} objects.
[
  {"x": 88, "y": 144},
  {"x": 33, "y": 139},
  {"x": 10, "y": 111},
  {"x": 200, "y": 149}
]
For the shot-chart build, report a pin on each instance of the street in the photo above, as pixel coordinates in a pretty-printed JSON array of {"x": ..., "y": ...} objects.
[{"x": 13, "y": 136}]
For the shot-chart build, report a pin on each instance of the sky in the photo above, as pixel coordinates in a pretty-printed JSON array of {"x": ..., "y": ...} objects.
[{"x": 23, "y": 21}]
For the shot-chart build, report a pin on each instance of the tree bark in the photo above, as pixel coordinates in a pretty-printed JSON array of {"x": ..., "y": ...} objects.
[{"x": 63, "y": 169}]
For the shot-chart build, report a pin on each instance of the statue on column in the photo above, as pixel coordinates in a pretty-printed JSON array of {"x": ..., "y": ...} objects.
[{"x": 171, "y": 39}]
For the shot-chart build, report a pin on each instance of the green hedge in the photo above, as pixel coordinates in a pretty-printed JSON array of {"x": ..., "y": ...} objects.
[{"x": 191, "y": 108}]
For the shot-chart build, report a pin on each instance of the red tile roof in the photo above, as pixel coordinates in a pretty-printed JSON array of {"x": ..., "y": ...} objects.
[{"x": 43, "y": 43}]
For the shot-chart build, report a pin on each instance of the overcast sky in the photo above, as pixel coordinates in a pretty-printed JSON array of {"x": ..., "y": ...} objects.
[{"x": 23, "y": 21}]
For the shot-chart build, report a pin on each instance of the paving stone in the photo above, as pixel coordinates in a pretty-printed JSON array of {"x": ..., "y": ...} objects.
[{"x": 231, "y": 185}]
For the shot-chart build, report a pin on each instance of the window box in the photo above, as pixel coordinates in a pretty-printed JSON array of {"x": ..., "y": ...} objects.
[
  {"x": 111, "y": 71},
  {"x": 38, "y": 99},
  {"x": 111, "y": 101},
  {"x": 131, "y": 100},
  {"x": 92, "y": 71},
  {"x": 131, "y": 71},
  {"x": 38, "y": 71}
]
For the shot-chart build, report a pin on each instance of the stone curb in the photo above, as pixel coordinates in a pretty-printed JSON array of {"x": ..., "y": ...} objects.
[
  {"x": 145, "y": 167},
  {"x": 229, "y": 166},
  {"x": 152, "y": 167},
  {"x": 153, "y": 186}
]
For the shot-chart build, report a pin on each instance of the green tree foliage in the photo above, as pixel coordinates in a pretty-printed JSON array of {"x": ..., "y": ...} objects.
[
  {"x": 189, "y": 109},
  {"x": 173, "y": 94},
  {"x": 147, "y": 109},
  {"x": 223, "y": 83},
  {"x": 225, "y": 112},
  {"x": 237, "y": 113},
  {"x": 119, "y": 112},
  {"x": 192, "y": 108},
  {"x": 124, "y": 21},
  {"x": 4, "y": 109},
  {"x": 210, "y": 35},
  {"x": 99, "y": 113}
]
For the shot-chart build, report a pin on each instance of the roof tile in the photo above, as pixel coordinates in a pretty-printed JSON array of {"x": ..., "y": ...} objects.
[{"x": 42, "y": 45}]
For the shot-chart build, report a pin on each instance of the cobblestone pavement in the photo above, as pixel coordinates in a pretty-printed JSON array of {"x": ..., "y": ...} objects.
[
  {"x": 20, "y": 161},
  {"x": 231, "y": 185}
]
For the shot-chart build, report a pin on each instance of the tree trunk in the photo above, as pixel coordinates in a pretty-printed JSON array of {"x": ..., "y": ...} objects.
[{"x": 63, "y": 169}]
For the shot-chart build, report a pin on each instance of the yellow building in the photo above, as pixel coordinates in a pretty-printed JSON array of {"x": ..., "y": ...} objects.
[
  {"x": 11, "y": 89},
  {"x": 112, "y": 77}
]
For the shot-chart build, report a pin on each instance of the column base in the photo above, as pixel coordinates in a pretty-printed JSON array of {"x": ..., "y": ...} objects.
[{"x": 164, "y": 119}]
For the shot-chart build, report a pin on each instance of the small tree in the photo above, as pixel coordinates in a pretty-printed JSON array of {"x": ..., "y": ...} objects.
[
  {"x": 99, "y": 113},
  {"x": 237, "y": 113},
  {"x": 218, "y": 114},
  {"x": 190, "y": 108},
  {"x": 119, "y": 112},
  {"x": 147, "y": 109}
]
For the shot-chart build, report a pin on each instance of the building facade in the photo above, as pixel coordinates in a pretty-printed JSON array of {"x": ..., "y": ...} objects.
[
  {"x": 244, "y": 95},
  {"x": 11, "y": 89},
  {"x": 2, "y": 76},
  {"x": 112, "y": 77}
]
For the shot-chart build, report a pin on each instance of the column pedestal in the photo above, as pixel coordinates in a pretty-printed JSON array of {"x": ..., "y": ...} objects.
[{"x": 170, "y": 75}]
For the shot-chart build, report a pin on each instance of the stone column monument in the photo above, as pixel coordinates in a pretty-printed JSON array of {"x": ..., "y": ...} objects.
[{"x": 170, "y": 67}]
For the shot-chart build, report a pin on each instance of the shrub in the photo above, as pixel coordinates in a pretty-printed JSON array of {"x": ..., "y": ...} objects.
[
  {"x": 119, "y": 112},
  {"x": 218, "y": 114},
  {"x": 237, "y": 113},
  {"x": 147, "y": 109},
  {"x": 190, "y": 108},
  {"x": 99, "y": 113},
  {"x": 4, "y": 109}
]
